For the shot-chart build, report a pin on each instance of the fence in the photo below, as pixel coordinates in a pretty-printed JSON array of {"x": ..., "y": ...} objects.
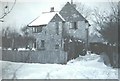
[{"x": 35, "y": 56}]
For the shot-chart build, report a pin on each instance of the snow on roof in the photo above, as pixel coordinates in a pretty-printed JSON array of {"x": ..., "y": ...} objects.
[{"x": 45, "y": 18}]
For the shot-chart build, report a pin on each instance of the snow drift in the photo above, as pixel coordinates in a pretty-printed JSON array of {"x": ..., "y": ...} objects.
[{"x": 84, "y": 67}]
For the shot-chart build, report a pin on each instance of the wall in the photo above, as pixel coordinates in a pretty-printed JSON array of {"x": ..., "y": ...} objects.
[
  {"x": 78, "y": 33},
  {"x": 35, "y": 56},
  {"x": 70, "y": 14},
  {"x": 50, "y": 36}
]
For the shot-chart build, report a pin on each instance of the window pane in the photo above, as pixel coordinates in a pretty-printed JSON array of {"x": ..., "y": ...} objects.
[
  {"x": 57, "y": 28},
  {"x": 42, "y": 43},
  {"x": 39, "y": 29},
  {"x": 57, "y": 46},
  {"x": 73, "y": 25}
]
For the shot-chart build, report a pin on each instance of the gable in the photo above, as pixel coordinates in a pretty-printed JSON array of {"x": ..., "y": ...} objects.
[
  {"x": 69, "y": 13},
  {"x": 57, "y": 18}
]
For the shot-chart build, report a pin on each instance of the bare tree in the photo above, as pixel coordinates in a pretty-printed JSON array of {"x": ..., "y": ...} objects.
[
  {"x": 101, "y": 18},
  {"x": 83, "y": 9},
  {"x": 8, "y": 11},
  {"x": 25, "y": 30},
  {"x": 114, "y": 7},
  {"x": 108, "y": 24}
]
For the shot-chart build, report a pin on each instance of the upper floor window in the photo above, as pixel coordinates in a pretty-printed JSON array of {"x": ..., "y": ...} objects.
[
  {"x": 37, "y": 29},
  {"x": 57, "y": 28},
  {"x": 73, "y": 25},
  {"x": 34, "y": 29}
]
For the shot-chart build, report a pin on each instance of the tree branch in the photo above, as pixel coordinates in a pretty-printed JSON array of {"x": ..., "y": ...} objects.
[{"x": 5, "y": 14}]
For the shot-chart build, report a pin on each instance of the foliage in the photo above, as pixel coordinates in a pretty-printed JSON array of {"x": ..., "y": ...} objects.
[
  {"x": 108, "y": 23},
  {"x": 110, "y": 32},
  {"x": 13, "y": 39}
]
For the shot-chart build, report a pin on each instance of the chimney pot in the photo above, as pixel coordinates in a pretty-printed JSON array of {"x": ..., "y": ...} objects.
[
  {"x": 52, "y": 9},
  {"x": 71, "y": 1}
]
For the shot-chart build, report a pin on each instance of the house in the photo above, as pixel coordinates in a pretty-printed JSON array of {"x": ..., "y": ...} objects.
[
  {"x": 51, "y": 28},
  {"x": 75, "y": 24}
]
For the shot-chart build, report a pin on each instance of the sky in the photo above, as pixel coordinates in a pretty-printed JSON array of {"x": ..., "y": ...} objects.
[{"x": 26, "y": 11}]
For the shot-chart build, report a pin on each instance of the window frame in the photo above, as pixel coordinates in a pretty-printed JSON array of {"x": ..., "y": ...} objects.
[
  {"x": 57, "y": 46},
  {"x": 42, "y": 44},
  {"x": 73, "y": 25},
  {"x": 38, "y": 29},
  {"x": 57, "y": 27}
]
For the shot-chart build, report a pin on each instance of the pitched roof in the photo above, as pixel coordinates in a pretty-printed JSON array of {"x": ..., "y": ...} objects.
[
  {"x": 45, "y": 18},
  {"x": 69, "y": 13}
]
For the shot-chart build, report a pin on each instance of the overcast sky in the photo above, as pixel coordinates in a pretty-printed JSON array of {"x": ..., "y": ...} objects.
[{"x": 27, "y": 10}]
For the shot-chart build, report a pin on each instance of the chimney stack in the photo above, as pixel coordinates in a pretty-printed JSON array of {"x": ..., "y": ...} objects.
[
  {"x": 74, "y": 5},
  {"x": 52, "y": 9},
  {"x": 71, "y": 1}
]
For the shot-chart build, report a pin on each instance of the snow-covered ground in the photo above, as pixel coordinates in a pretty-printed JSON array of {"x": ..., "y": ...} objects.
[{"x": 84, "y": 67}]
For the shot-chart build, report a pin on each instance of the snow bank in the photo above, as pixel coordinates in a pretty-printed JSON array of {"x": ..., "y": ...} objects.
[
  {"x": 23, "y": 49},
  {"x": 84, "y": 67}
]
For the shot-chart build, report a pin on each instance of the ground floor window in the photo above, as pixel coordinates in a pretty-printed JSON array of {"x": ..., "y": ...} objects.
[
  {"x": 42, "y": 43},
  {"x": 57, "y": 46},
  {"x": 34, "y": 44}
]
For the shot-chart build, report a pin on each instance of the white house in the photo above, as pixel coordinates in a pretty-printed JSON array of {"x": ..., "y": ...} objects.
[{"x": 51, "y": 28}]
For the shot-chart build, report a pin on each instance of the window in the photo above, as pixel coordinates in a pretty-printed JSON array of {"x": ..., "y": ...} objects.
[
  {"x": 34, "y": 29},
  {"x": 35, "y": 44},
  {"x": 37, "y": 29},
  {"x": 73, "y": 25},
  {"x": 42, "y": 44},
  {"x": 57, "y": 28},
  {"x": 57, "y": 46}
]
